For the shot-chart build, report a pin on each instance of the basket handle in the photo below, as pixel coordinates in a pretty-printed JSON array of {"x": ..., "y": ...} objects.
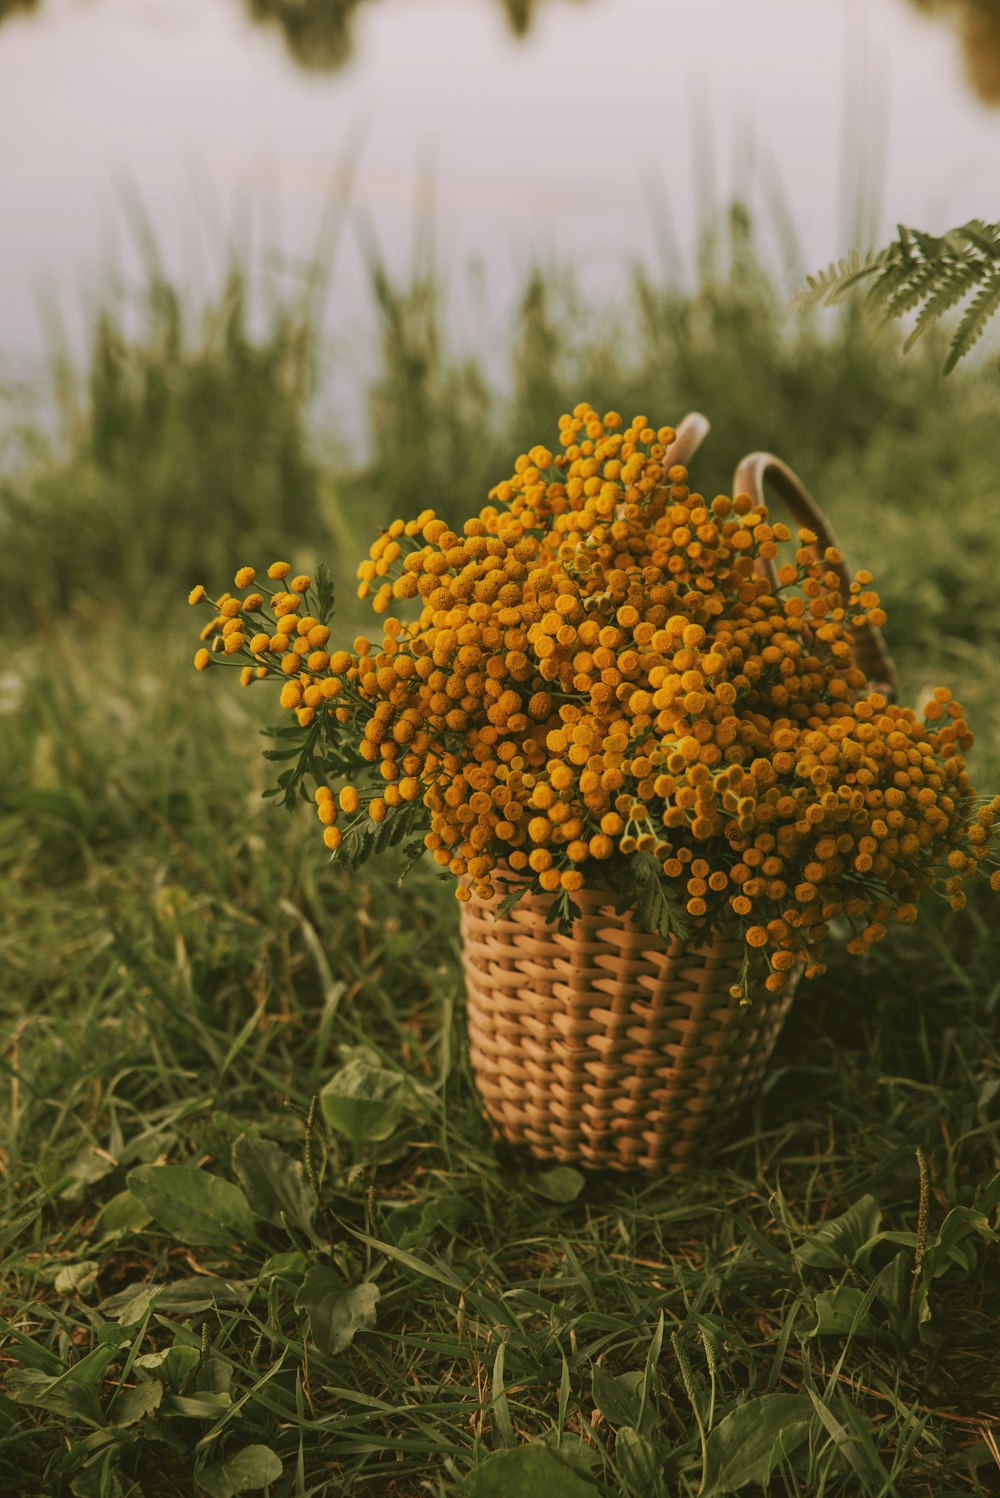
[
  {"x": 870, "y": 653},
  {"x": 690, "y": 434}
]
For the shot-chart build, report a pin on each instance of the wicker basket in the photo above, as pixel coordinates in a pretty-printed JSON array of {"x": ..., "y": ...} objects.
[{"x": 608, "y": 1047}]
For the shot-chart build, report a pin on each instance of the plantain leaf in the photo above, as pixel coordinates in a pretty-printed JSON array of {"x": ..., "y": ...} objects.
[
  {"x": 531, "y": 1471},
  {"x": 749, "y": 1443},
  {"x": 837, "y": 1242},
  {"x": 251, "y": 1469},
  {"x": 363, "y": 1099},
  {"x": 336, "y": 1311},
  {"x": 273, "y": 1182},
  {"x": 193, "y": 1206}
]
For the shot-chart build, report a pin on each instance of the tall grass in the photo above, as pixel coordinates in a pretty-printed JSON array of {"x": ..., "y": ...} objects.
[{"x": 185, "y": 434}]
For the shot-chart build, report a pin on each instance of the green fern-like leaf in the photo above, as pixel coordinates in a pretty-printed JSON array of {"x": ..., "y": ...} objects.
[
  {"x": 978, "y": 313},
  {"x": 979, "y": 236},
  {"x": 921, "y": 273},
  {"x": 649, "y": 897},
  {"x": 829, "y": 287},
  {"x": 948, "y": 295}
]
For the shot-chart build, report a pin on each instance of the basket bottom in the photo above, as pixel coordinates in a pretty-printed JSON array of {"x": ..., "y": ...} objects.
[
  {"x": 606, "y": 1047},
  {"x": 667, "y": 1132}
]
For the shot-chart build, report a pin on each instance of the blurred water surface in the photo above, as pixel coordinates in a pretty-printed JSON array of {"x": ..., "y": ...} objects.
[{"x": 594, "y": 132}]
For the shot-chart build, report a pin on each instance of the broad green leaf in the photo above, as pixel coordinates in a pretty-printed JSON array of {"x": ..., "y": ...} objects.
[
  {"x": 952, "y": 1247},
  {"x": 573, "y": 1450},
  {"x": 248, "y": 1471},
  {"x": 618, "y": 1399},
  {"x": 838, "y": 1310},
  {"x": 207, "y": 1406},
  {"x": 10, "y": 1415},
  {"x": 72, "y": 1393},
  {"x": 561, "y": 1184},
  {"x": 98, "y": 1480},
  {"x": 640, "y": 1463},
  {"x": 336, "y": 1312},
  {"x": 290, "y": 1267},
  {"x": 174, "y": 1364},
  {"x": 89, "y": 1167},
  {"x": 177, "y": 1298},
  {"x": 747, "y": 1445},
  {"x": 988, "y": 1197},
  {"x": 124, "y": 1213},
  {"x": 129, "y": 1306},
  {"x": 411, "y": 1224},
  {"x": 945, "y": 1249},
  {"x": 894, "y": 1287},
  {"x": 110, "y": 1335},
  {"x": 193, "y": 1206},
  {"x": 532, "y": 1471},
  {"x": 135, "y": 1403},
  {"x": 503, "y": 1425},
  {"x": 274, "y": 1182},
  {"x": 215, "y": 1375},
  {"x": 61, "y": 1397},
  {"x": 77, "y": 1279},
  {"x": 837, "y": 1242},
  {"x": 363, "y": 1100}
]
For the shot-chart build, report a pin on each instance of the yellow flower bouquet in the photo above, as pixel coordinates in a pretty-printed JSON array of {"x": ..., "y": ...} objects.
[
  {"x": 638, "y": 728},
  {"x": 597, "y": 682}
]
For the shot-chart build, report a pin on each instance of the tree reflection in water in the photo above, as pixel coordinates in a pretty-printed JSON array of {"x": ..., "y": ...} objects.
[
  {"x": 978, "y": 26},
  {"x": 318, "y": 32},
  {"x": 13, "y": 7}
]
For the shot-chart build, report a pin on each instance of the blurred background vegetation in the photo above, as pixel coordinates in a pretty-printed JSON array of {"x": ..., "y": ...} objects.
[{"x": 198, "y": 437}]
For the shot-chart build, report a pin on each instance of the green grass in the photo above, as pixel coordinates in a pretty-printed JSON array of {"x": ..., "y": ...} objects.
[{"x": 184, "y": 974}]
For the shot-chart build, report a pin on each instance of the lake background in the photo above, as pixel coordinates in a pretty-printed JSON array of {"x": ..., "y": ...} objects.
[{"x": 593, "y": 133}]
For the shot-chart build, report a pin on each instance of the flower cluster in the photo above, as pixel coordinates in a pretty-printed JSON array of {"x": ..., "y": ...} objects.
[{"x": 606, "y": 678}]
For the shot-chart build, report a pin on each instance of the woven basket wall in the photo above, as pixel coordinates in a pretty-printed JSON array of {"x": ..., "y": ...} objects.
[{"x": 606, "y": 1047}]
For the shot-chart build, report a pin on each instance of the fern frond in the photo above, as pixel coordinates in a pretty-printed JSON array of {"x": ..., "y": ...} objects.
[
  {"x": 897, "y": 285},
  {"x": 924, "y": 273},
  {"x": 947, "y": 296},
  {"x": 979, "y": 236},
  {"x": 829, "y": 287},
  {"x": 978, "y": 313}
]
